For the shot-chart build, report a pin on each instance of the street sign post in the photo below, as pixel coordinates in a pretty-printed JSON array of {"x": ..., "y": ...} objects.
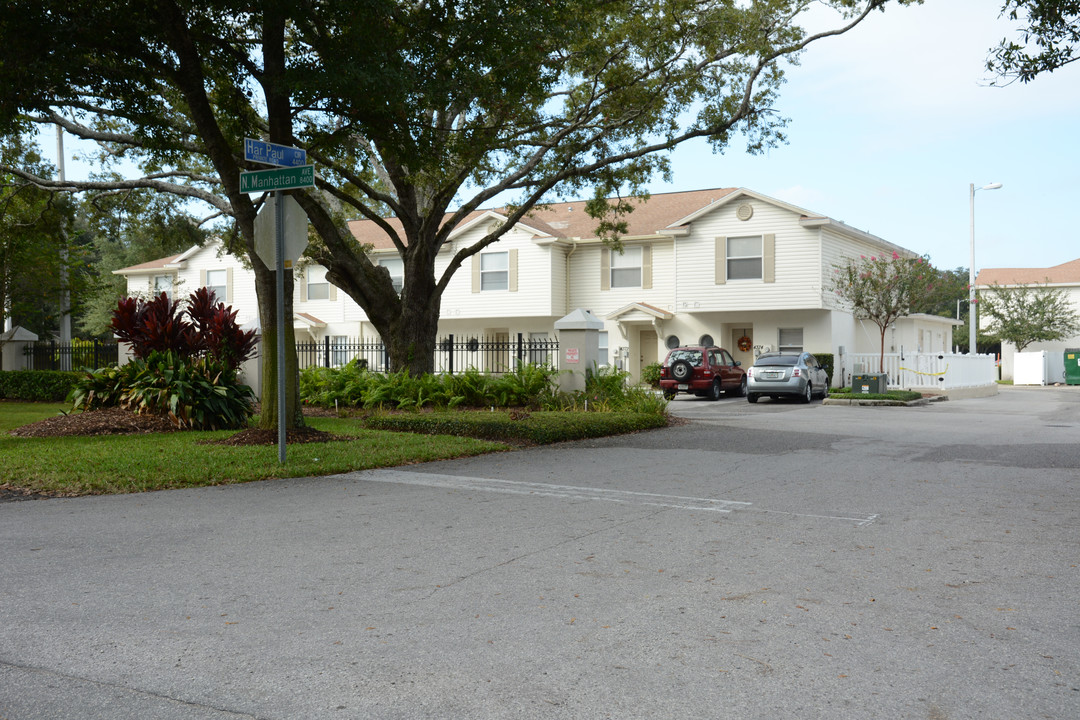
[
  {"x": 286, "y": 178},
  {"x": 271, "y": 154},
  {"x": 293, "y": 173}
]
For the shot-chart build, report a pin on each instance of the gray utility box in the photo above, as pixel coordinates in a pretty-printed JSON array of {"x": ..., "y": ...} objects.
[{"x": 876, "y": 383}]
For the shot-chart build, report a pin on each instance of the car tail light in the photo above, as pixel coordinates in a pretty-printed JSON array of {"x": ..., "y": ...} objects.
[
  {"x": 749, "y": 372},
  {"x": 795, "y": 372}
]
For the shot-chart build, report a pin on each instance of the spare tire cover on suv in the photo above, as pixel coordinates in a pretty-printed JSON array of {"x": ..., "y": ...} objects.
[{"x": 682, "y": 370}]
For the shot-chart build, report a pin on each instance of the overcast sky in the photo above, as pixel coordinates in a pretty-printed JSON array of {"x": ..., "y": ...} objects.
[{"x": 891, "y": 123}]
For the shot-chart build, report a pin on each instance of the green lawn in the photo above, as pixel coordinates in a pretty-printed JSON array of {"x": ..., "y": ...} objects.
[{"x": 137, "y": 463}]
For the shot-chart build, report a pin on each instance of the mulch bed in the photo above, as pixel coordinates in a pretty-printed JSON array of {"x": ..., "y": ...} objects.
[{"x": 117, "y": 421}]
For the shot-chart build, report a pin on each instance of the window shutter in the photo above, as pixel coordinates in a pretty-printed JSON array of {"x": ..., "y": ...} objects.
[
  {"x": 476, "y": 273},
  {"x": 768, "y": 260},
  {"x": 605, "y": 269},
  {"x": 202, "y": 278},
  {"x": 646, "y": 267},
  {"x": 512, "y": 274},
  {"x": 228, "y": 287},
  {"x": 333, "y": 291},
  {"x": 721, "y": 260},
  {"x": 303, "y": 287}
]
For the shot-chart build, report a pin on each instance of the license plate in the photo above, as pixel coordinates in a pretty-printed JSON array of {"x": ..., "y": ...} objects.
[
  {"x": 773, "y": 375},
  {"x": 684, "y": 386}
]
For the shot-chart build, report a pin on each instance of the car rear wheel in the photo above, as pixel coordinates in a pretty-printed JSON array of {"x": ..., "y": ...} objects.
[
  {"x": 682, "y": 370},
  {"x": 669, "y": 394},
  {"x": 714, "y": 390},
  {"x": 751, "y": 397},
  {"x": 740, "y": 390},
  {"x": 808, "y": 394}
]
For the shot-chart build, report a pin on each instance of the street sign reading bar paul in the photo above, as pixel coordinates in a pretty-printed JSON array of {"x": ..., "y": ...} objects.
[
  {"x": 286, "y": 178},
  {"x": 271, "y": 154}
]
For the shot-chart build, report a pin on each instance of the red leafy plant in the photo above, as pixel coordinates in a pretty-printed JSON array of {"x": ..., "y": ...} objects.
[{"x": 204, "y": 329}]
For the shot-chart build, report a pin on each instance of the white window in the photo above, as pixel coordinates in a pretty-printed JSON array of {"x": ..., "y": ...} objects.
[
  {"x": 217, "y": 281},
  {"x": 602, "y": 356},
  {"x": 744, "y": 258},
  {"x": 396, "y": 266},
  {"x": 791, "y": 340},
  {"x": 163, "y": 284},
  {"x": 626, "y": 268},
  {"x": 318, "y": 290},
  {"x": 494, "y": 271}
]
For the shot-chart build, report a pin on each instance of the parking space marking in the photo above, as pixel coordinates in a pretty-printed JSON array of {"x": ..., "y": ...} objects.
[{"x": 572, "y": 492}]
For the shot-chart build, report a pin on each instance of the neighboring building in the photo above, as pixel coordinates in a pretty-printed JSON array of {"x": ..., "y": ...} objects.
[
  {"x": 1065, "y": 277},
  {"x": 708, "y": 266}
]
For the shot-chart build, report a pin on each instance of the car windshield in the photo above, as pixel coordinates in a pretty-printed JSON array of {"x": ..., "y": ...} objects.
[
  {"x": 777, "y": 360},
  {"x": 691, "y": 356}
]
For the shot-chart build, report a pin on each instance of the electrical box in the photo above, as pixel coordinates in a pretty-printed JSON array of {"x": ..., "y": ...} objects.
[{"x": 870, "y": 383}]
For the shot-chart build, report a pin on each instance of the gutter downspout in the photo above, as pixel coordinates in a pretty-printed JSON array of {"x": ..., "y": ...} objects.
[{"x": 566, "y": 292}]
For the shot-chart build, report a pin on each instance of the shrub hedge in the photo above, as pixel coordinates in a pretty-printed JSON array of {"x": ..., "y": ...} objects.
[
  {"x": 540, "y": 427},
  {"x": 37, "y": 385}
]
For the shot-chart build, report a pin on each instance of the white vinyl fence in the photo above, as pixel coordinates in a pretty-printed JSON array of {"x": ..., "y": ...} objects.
[{"x": 942, "y": 371}]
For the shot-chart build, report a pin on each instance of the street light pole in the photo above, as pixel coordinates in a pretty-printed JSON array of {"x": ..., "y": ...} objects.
[{"x": 971, "y": 269}]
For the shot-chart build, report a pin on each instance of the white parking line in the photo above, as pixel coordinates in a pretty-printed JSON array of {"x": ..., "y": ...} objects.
[{"x": 572, "y": 492}]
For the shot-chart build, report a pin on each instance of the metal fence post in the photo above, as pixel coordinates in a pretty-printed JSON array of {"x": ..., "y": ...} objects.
[
  {"x": 326, "y": 353},
  {"x": 450, "y": 351}
]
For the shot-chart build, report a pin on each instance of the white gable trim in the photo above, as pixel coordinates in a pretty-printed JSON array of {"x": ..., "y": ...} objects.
[{"x": 732, "y": 197}]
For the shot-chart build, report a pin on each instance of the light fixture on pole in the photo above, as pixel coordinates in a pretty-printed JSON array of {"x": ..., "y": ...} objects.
[{"x": 971, "y": 269}]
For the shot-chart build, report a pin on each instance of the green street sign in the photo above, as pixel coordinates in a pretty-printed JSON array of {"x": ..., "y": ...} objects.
[{"x": 285, "y": 178}]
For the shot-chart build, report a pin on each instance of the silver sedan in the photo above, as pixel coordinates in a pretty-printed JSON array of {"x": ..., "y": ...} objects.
[{"x": 796, "y": 374}]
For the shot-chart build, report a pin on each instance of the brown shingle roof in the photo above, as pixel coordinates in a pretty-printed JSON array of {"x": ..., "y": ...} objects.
[
  {"x": 1067, "y": 273},
  {"x": 569, "y": 219},
  {"x": 152, "y": 265}
]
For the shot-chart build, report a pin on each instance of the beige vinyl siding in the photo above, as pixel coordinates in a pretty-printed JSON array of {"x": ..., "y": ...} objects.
[
  {"x": 791, "y": 280},
  {"x": 590, "y": 265},
  {"x": 529, "y": 280}
]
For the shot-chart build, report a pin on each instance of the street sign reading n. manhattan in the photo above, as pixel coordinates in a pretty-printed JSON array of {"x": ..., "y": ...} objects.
[{"x": 285, "y": 178}]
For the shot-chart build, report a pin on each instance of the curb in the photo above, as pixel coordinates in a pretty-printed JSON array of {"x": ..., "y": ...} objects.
[{"x": 883, "y": 403}]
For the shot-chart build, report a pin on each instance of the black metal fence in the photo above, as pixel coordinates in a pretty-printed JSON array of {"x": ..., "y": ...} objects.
[
  {"x": 493, "y": 355},
  {"x": 75, "y": 355},
  {"x": 452, "y": 354}
]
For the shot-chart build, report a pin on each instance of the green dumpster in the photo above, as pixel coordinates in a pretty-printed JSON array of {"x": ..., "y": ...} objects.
[
  {"x": 1072, "y": 366},
  {"x": 875, "y": 383}
]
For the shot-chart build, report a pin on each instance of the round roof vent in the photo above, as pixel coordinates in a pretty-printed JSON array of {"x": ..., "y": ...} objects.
[{"x": 744, "y": 211}]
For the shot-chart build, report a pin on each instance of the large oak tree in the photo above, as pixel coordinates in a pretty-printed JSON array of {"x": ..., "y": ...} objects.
[{"x": 423, "y": 111}]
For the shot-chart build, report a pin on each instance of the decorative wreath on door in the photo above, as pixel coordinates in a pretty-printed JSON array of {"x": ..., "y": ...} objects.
[{"x": 745, "y": 343}]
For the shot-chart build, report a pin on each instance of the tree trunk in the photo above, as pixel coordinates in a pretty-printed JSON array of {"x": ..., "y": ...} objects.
[
  {"x": 412, "y": 339},
  {"x": 881, "y": 358},
  {"x": 266, "y": 289}
]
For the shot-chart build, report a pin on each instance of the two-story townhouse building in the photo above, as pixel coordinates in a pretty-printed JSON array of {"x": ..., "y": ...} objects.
[{"x": 727, "y": 266}]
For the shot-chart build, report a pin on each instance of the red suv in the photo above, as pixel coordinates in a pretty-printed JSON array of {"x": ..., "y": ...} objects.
[{"x": 703, "y": 371}]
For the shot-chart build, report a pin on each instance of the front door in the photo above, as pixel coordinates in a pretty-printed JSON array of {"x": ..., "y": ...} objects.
[
  {"x": 647, "y": 342},
  {"x": 746, "y": 335}
]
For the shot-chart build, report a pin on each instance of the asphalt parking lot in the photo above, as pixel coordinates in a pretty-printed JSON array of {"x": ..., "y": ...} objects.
[{"x": 773, "y": 560}]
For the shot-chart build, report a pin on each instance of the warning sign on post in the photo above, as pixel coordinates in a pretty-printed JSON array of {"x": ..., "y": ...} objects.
[{"x": 572, "y": 355}]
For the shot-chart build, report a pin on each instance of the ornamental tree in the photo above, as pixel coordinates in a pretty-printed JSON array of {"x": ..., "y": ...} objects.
[
  {"x": 1026, "y": 314},
  {"x": 408, "y": 109},
  {"x": 884, "y": 288}
]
